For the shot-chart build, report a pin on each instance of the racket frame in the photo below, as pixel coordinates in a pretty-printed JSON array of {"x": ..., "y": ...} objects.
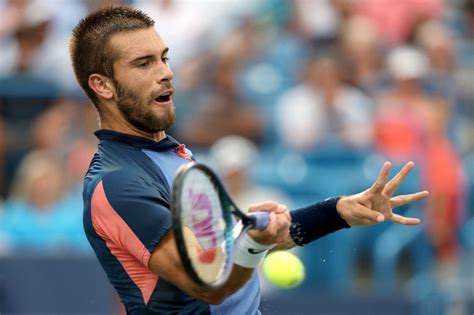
[{"x": 227, "y": 207}]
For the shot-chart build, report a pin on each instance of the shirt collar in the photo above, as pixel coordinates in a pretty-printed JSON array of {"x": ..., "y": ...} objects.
[{"x": 136, "y": 141}]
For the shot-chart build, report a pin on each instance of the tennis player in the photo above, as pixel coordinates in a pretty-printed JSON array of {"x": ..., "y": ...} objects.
[{"x": 120, "y": 61}]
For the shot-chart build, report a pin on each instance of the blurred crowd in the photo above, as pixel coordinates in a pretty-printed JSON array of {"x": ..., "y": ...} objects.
[{"x": 289, "y": 100}]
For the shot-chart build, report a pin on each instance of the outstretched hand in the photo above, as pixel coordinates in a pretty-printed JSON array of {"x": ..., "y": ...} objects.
[{"x": 375, "y": 204}]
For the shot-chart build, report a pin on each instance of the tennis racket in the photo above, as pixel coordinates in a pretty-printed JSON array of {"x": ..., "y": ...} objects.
[{"x": 202, "y": 213}]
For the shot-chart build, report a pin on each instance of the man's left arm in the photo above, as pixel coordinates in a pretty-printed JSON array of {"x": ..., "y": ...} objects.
[{"x": 372, "y": 206}]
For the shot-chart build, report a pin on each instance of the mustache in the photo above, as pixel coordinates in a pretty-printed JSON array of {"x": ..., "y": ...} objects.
[{"x": 167, "y": 86}]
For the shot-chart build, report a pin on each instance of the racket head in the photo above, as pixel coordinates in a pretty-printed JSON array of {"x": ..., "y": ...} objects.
[{"x": 203, "y": 224}]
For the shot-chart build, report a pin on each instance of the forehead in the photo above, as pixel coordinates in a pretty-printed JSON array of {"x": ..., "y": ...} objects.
[{"x": 133, "y": 44}]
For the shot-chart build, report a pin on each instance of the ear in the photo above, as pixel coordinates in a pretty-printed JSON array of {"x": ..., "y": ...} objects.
[{"x": 102, "y": 86}]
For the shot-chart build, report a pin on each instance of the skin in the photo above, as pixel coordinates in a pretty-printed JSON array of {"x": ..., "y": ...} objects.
[{"x": 141, "y": 73}]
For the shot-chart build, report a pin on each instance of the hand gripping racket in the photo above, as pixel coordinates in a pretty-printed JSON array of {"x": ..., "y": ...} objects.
[{"x": 203, "y": 223}]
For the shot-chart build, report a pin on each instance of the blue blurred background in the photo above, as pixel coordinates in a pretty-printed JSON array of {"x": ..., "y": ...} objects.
[{"x": 293, "y": 101}]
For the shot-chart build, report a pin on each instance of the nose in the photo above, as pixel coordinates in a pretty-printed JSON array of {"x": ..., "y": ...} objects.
[{"x": 166, "y": 74}]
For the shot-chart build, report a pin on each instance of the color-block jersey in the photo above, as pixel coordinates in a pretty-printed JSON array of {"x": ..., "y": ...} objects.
[{"x": 126, "y": 214}]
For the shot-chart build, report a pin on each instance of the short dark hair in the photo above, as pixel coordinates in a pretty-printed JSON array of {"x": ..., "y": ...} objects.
[{"x": 89, "y": 47}]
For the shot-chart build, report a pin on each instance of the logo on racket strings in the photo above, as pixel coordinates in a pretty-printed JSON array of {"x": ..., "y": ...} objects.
[{"x": 202, "y": 219}]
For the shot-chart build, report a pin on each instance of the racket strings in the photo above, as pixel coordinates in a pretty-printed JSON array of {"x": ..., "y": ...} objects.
[
  {"x": 202, "y": 214},
  {"x": 200, "y": 182}
]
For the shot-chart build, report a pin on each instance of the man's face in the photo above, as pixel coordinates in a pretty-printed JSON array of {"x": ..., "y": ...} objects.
[{"x": 142, "y": 80}]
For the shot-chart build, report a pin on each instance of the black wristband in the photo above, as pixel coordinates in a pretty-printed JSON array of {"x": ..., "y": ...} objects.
[{"x": 315, "y": 221}]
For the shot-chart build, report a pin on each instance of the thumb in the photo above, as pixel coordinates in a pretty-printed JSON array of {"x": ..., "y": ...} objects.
[{"x": 372, "y": 215}]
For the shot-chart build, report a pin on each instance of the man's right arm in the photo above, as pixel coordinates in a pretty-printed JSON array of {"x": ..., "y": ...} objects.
[{"x": 165, "y": 260}]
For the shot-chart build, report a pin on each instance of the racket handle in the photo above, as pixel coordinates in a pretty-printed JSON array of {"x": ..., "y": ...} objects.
[{"x": 262, "y": 219}]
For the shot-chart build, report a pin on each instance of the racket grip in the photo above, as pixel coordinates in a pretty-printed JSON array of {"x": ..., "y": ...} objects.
[{"x": 262, "y": 219}]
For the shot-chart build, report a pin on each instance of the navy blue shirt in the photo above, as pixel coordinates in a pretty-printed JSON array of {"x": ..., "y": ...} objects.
[{"x": 126, "y": 214}]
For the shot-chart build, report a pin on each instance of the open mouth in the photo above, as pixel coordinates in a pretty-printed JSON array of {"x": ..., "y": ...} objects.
[{"x": 164, "y": 98}]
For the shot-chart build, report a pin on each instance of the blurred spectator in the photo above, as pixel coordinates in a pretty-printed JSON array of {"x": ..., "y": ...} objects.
[
  {"x": 39, "y": 181},
  {"x": 396, "y": 20},
  {"x": 71, "y": 140},
  {"x": 12, "y": 16},
  {"x": 464, "y": 73},
  {"x": 438, "y": 45},
  {"x": 51, "y": 127},
  {"x": 30, "y": 32},
  {"x": 233, "y": 156},
  {"x": 324, "y": 110},
  {"x": 359, "y": 44},
  {"x": 37, "y": 216},
  {"x": 49, "y": 131},
  {"x": 35, "y": 42},
  {"x": 411, "y": 124},
  {"x": 315, "y": 20},
  {"x": 443, "y": 176},
  {"x": 270, "y": 61},
  {"x": 400, "y": 114},
  {"x": 223, "y": 113}
]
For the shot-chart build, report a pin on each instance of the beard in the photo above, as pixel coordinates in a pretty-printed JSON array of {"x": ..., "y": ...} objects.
[{"x": 139, "y": 112}]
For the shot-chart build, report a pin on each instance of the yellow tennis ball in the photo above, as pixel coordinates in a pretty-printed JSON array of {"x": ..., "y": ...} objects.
[{"x": 283, "y": 269}]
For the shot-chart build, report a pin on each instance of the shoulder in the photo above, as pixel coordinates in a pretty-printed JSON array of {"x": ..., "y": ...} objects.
[
  {"x": 127, "y": 183},
  {"x": 126, "y": 164},
  {"x": 123, "y": 177}
]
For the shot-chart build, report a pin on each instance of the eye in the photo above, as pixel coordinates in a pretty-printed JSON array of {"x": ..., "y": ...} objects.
[
  {"x": 144, "y": 64},
  {"x": 165, "y": 59}
]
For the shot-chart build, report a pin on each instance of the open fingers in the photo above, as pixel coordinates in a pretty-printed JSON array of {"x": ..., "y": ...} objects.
[
  {"x": 393, "y": 184},
  {"x": 379, "y": 184},
  {"x": 404, "y": 220},
  {"x": 402, "y": 200}
]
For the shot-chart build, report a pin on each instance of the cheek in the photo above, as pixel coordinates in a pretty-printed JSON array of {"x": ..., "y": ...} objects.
[
  {"x": 143, "y": 93},
  {"x": 135, "y": 96}
]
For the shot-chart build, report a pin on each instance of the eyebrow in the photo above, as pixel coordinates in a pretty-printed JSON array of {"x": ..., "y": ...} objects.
[{"x": 149, "y": 56}]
